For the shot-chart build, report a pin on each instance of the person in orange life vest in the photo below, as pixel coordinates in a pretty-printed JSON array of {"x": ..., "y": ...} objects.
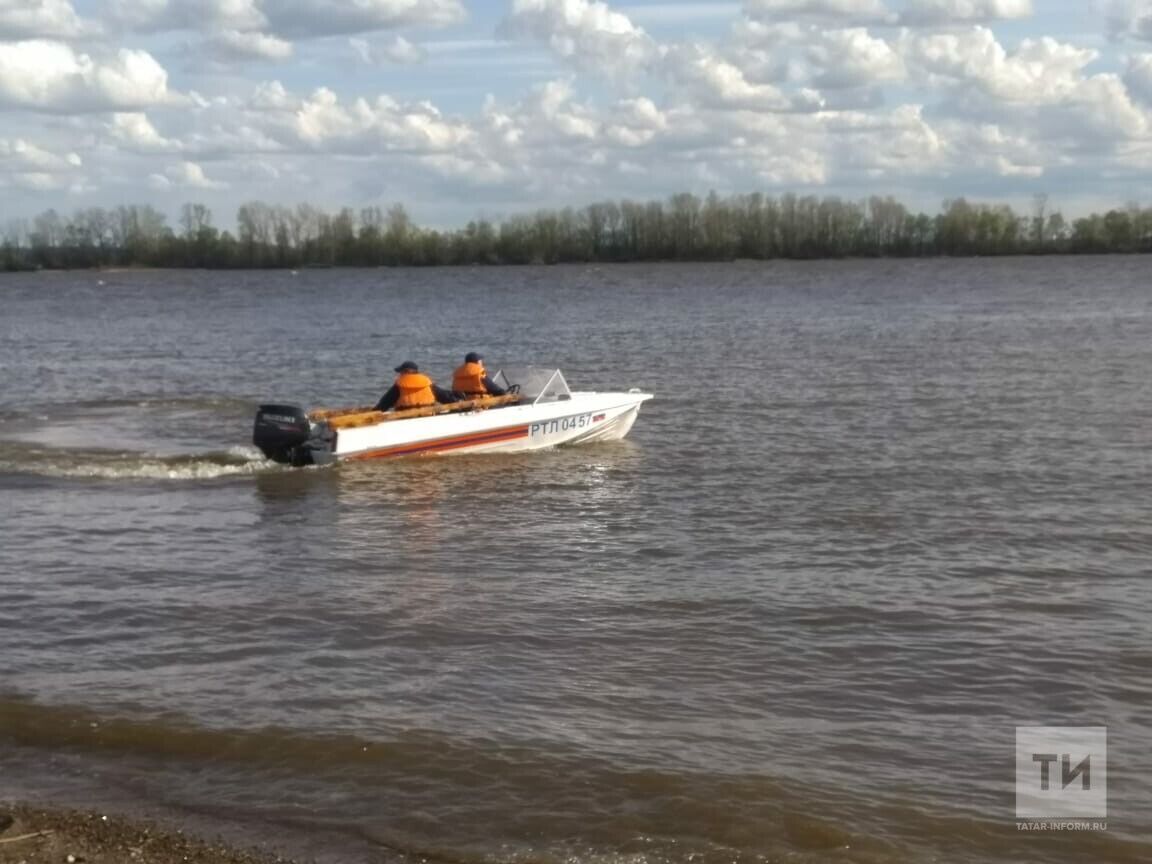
[
  {"x": 471, "y": 380},
  {"x": 412, "y": 390}
]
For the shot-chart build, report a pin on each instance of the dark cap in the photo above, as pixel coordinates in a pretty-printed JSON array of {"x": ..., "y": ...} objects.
[
  {"x": 407, "y": 366},
  {"x": 473, "y": 357}
]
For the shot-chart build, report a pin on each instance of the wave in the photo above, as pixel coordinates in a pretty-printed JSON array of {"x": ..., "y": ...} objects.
[
  {"x": 435, "y": 795},
  {"x": 451, "y": 797},
  {"x": 204, "y": 401},
  {"x": 196, "y": 402},
  {"x": 20, "y": 458},
  {"x": 129, "y": 438}
]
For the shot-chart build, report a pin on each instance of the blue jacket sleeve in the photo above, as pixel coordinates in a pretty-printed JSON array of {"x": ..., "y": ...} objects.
[
  {"x": 444, "y": 396},
  {"x": 388, "y": 399},
  {"x": 492, "y": 388}
]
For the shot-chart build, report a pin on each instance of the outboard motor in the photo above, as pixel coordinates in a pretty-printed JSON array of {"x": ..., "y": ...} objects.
[{"x": 281, "y": 432}]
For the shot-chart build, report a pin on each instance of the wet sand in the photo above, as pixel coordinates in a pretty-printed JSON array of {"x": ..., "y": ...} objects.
[{"x": 30, "y": 835}]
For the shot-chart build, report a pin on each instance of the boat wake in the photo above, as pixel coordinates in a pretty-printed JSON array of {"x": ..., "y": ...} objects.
[
  {"x": 24, "y": 459},
  {"x": 164, "y": 438}
]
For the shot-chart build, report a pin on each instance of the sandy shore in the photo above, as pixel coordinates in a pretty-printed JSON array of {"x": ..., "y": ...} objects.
[{"x": 37, "y": 836}]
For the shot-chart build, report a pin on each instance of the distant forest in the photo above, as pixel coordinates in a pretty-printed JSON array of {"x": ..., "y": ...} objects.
[{"x": 682, "y": 228}]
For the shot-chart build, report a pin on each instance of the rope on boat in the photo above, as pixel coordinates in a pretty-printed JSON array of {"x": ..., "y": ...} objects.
[{"x": 350, "y": 418}]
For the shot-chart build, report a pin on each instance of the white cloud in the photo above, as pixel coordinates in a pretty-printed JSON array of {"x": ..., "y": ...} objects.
[
  {"x": 895, "y": 143},
  {"x": 397, "y": 49},
  {"x": 592, "y": 36},
  {"x": 134, "y": 131},
  {"x": 214, "y": 15},
  {"x": 233, "y": 127},
  {"x": 853, "y": 58},
  {"x": 802, "y": 166},
  {"x": 817, "y": 55},
  {"x": 249, "y": 45},
  {"x": 51, "y": 76},
  {"x": 1102, "y": 110},
  {"x": 33, "y": 181},
  {"x": 777, "y": 52},
  {"x": 587, "y": 32},
  {"x": 1040, "y": 70},
  {"x": 1042, "y": 84},
  {"x": 991, "y": 148},
  {"x": 184, "y": 175},
  {"x": 1138, "y": 77},
  {"x": 272, "y": 96},
  {"x": 717, "y": 83},
  {"x": 554, "y": 109},
  {"x": 1007, "y": 168},
  {"x": 549, "y": 140},
  {"x": 323, "y": 122},
  {"x": 840, "y": 94},
  {"x": 635, "y": 122},
  {"x": 400, "y": 50},
  {"x": 247, "y": 136},
  {"x": 300, "y": 19},
  {"x": 843, "y": 12},
  {"x": 548, "y": 116},
  {"x": 304, "y": 18},
  {"x": 24, "y": 165},
  {"x": 466, "y": 169},
  {"x": 680, "y": 13},
  {"x": 25, "y": 156},
  {"x": 32, "y": 19},
  {"x": 1130, "y": 19},
  {"x": 363, "y": 50},
  {"x": 934, "y": 12}
]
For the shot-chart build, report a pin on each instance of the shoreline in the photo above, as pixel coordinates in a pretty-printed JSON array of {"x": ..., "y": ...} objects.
[
  {"x": 297, "y": 268},
  {"x": 32, "y": 834}
]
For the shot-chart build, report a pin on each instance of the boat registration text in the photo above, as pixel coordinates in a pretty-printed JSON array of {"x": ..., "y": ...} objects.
[{"x": 564, "y": 424}]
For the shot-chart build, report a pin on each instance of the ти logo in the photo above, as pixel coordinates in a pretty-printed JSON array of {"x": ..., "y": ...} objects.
[
  {"x": 1083, "y": 769},
  {"x": 1061, "y": 772}
]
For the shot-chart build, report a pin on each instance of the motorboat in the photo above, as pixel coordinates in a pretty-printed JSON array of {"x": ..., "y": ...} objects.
[{"x": 539, "y": 411}]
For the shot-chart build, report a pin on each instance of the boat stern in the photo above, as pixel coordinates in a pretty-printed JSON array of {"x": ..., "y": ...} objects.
[{"x": 285, "y": 434}]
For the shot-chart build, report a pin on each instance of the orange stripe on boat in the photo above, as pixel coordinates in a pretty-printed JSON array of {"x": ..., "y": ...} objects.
[{"x": 441, "y": 445}]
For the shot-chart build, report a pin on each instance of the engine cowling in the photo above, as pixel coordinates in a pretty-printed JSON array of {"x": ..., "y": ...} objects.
[{"x": 281, "y": 431}]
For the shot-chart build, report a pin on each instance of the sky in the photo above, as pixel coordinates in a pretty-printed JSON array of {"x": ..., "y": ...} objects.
[{"x": 465, "y": 109}]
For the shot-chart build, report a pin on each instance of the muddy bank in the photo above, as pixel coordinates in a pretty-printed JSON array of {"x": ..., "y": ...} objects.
[{"x": 37, "y": 836}]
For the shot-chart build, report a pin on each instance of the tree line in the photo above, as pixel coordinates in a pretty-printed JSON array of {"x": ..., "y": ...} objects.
[{"x": 684, "y": 227}]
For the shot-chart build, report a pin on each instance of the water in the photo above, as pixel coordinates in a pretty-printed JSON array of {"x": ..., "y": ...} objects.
[{"x": 879, "y": 514}]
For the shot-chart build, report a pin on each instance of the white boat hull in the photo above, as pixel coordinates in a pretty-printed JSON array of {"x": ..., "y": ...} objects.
[
  {"x": 539, "y": 411},
  {"x": 583, "y": 418}
]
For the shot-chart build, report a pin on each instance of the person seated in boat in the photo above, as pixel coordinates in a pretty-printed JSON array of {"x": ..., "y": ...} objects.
[
  {"x": 471, "y": 381},
  {"x": 412, "y": 389}
]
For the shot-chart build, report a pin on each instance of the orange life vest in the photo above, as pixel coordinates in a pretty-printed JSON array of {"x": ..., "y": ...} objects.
[
  {"x": 469, "y": 379},
  {"x": 415, "y": 391}
]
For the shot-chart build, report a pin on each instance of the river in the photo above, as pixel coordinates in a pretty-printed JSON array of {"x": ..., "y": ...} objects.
[{"x": 878, "y": 515}]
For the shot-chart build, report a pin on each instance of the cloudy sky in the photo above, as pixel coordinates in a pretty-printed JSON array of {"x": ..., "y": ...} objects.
[{"x": 466, "y": 108}]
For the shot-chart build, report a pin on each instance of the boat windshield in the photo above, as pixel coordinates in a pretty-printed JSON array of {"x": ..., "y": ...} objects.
[{"x": 536, "y": 384}]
